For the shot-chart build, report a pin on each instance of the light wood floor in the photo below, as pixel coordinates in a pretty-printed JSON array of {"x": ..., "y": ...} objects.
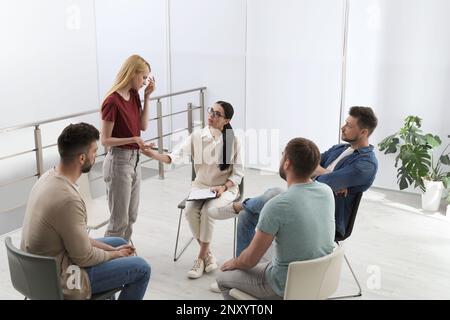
[{"x": 396, "y": 250}]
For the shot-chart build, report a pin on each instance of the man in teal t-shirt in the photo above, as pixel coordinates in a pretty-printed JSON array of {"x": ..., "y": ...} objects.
[{"x": 299, "y": 222}]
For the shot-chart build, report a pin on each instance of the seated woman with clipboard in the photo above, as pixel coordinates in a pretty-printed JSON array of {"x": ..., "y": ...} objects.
[{"x": 216, "y": 153}]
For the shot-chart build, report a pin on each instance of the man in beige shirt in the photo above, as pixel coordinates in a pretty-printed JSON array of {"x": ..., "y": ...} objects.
[
  {"x": 55, "y": 225},
  {"x": 218, "y": 166}
]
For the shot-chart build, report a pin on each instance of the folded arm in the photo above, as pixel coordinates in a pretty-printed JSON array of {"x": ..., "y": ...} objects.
[{"x": 349, "y": 176}]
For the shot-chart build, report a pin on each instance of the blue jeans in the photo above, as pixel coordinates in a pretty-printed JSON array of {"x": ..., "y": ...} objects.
[
  {"x": 131, "y": 272},
  {"x": 249, "y": 216}
]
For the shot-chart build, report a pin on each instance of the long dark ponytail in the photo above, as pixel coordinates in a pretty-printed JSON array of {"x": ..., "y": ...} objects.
[{"x": 227, "y": 136}]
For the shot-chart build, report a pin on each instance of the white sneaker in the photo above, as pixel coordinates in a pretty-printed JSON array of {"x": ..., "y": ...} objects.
[
  {"x": 210, "y": 263},
  {"x": 223, "y": 213},
  {"x": 214, "y": 287},
  {"x": 197, "y": 269}
]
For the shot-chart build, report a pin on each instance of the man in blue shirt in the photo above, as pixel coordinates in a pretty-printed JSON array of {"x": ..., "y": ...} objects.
[
  {"x": 299, "y": 222},
  {"x": 347, "y": 168}
]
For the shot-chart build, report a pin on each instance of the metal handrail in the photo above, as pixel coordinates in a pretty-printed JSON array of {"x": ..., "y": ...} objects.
[
  {"x": 173, "y": 114},
  {"x": 17, "y": 154},
  {"x": 37, "y": 131},
  {"x": 17, "y": 180},
  {"x": 74, "y": 115},
  {"x": 55, "y": 144}
]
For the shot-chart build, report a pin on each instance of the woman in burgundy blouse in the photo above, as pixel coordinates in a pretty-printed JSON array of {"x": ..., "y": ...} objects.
[{"x": 123, "y": 119}]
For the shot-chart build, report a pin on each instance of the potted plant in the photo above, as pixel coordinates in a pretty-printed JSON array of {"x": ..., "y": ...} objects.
[{"x": 415, "y": 163}]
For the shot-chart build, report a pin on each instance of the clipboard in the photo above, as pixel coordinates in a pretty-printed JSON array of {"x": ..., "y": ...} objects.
[{"x": 201, "y": 194}]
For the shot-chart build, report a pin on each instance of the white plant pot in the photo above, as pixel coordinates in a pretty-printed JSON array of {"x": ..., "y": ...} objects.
[{"x": 431, "y": 199}]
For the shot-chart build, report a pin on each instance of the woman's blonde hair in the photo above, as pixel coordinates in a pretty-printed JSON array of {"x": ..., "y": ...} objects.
[{"x": 134, "y": 64}]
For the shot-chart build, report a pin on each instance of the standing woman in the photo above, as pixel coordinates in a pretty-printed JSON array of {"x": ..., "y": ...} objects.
[
  {"x": 216, "y": 153},
  {"x": 123, "y": 119}
]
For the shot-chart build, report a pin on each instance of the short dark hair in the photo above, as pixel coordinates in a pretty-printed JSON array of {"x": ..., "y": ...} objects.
[
  {"x": 366, "y": 117},
  {"x": 76, "y": 139},
  {"x": 304, "y": 155}
]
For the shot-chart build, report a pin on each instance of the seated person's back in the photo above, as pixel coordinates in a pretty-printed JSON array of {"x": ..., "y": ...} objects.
[
  {"x": 299, "y": 223},
  {"x": 302, "y": 221}
]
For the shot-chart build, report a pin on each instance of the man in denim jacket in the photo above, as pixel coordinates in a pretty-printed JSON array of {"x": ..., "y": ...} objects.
[
  {"x": 350, "y": 167},
  {"x": 347, "y": 168}
]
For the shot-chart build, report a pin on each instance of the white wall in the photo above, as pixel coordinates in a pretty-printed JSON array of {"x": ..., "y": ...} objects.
[
  {"x": 48, "y": 59},
  {"x": 126, "y": 27},
  {"x": 294, "y": 51},
  {"x": 208, "y": 48},
  {"x": 48, "y": 68},
  {"x": 398, "y": 62}
]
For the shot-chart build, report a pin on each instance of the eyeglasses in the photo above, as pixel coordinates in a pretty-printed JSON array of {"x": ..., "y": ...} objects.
[{"x": 215, "y": 114}]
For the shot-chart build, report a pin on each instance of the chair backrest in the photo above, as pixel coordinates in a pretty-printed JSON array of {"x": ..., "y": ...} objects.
[
  {"x": 314, "y": 279},
  {"x": 193, "y": 174},
  {"x": 84, "y": 187},
  {"x": 34, "y": 276},
  {"x": 241, "y": 190},
  {"x": 351, "y": 218}
]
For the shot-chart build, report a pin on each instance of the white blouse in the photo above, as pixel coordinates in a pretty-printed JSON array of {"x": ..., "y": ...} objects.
[{"x": 206, "y": 152}]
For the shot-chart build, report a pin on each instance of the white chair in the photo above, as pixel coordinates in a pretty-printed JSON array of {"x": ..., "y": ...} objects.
[
  {"x": 310, "y": 279},
  {"x": 97, "y": 209}
]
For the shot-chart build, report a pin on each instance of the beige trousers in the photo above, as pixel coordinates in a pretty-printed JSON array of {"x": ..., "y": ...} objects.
[
  {"x": 201, "y": 224},
  {"x": 122, "y": 175}
]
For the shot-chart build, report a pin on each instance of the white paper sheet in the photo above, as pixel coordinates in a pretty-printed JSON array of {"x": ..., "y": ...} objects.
[{"x": 201, "y": 194}]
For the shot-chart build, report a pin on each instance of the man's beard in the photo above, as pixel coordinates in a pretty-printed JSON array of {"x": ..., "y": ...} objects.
[
  {"x": 282, "y": 172},
  {"x": 87, "y": 167},
  {"x": 350, "y": 140}
]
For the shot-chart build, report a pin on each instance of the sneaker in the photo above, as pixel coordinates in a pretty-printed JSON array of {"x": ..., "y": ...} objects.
[
  {"x": 214, "y": 287},
  {"x": 222, "y": 213},
  {"x": 210, "y": 263},
  {"x": 197, "y": 269}
]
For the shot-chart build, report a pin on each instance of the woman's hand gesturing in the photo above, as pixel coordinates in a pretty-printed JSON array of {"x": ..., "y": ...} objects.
[{"x": 150, "y": 87}]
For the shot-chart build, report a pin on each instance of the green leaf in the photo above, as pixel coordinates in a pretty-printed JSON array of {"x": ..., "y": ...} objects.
[
  {"x": 413, "y": 149},
  {"x": 403, "y": 184},
  {"x": 438, "y": 139},
  {"x": 433, "y": 141},
  {"x": 413, "y": 120},
  {"x": 446, "y": 182},
  {"x": 445, "y": 159},
  {"x": 389, "y": 144}
]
